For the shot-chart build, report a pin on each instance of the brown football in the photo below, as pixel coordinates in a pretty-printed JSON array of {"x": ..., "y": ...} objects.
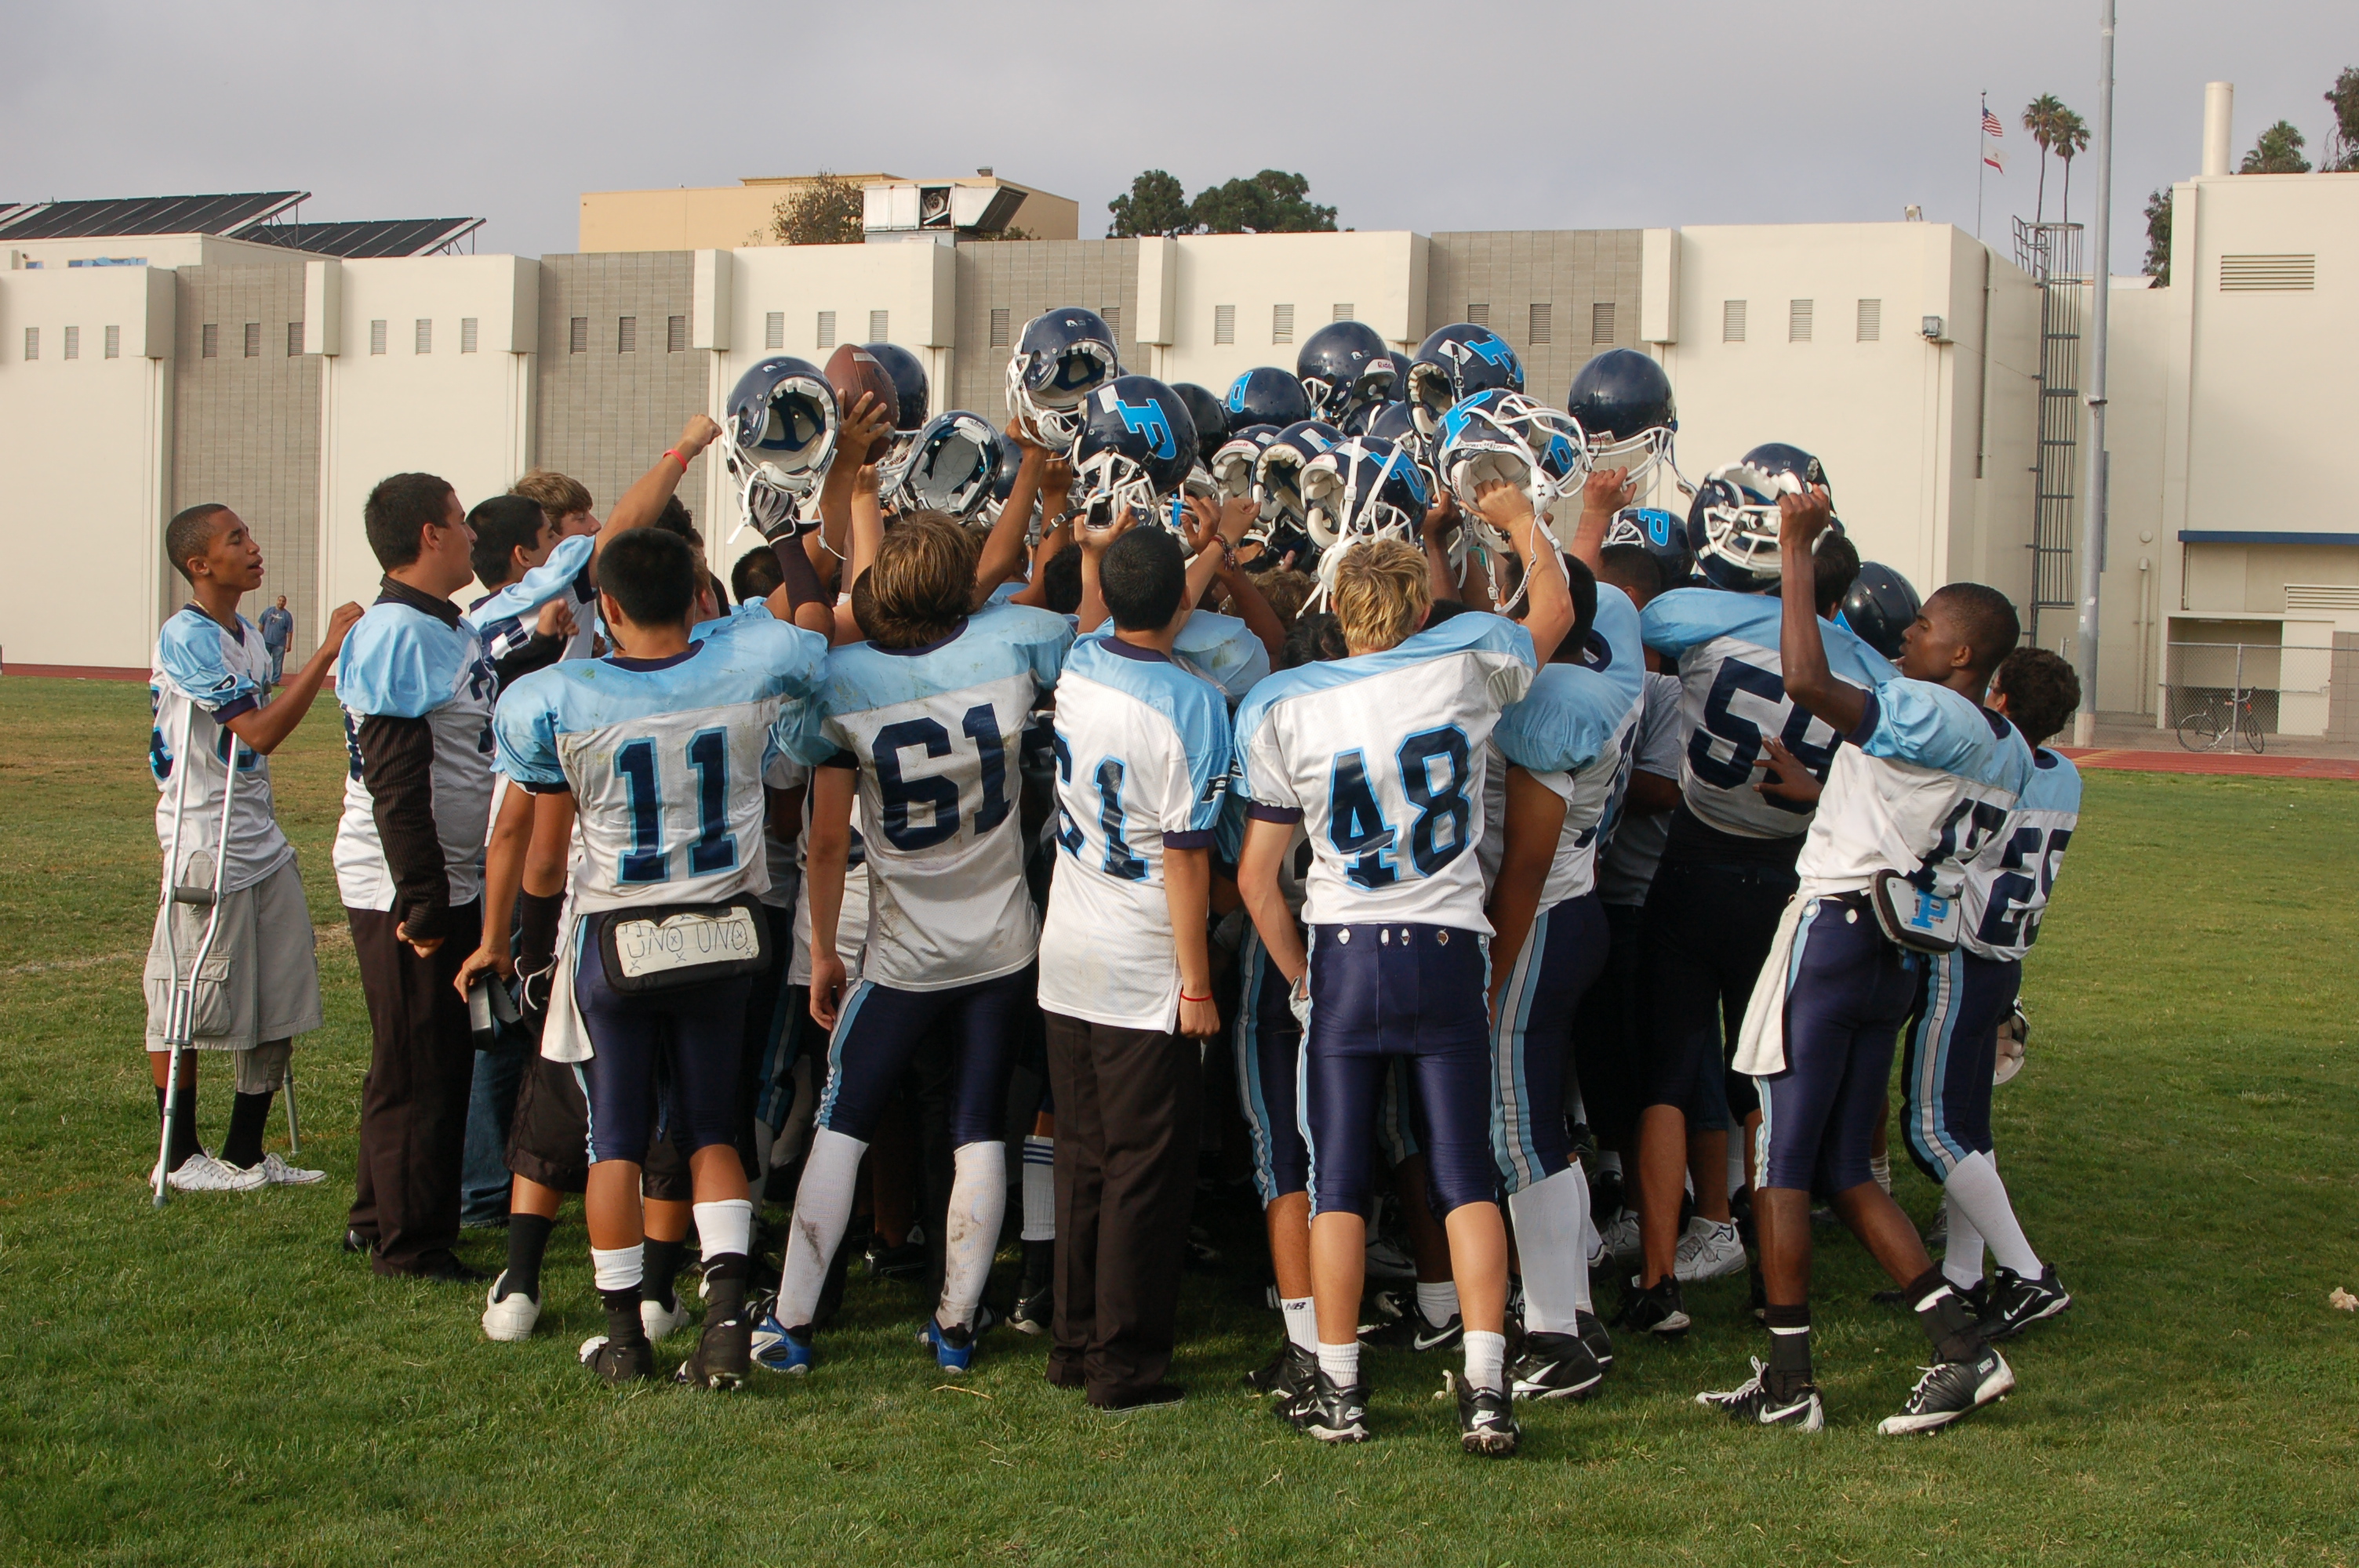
[{"x": 851, "y": 371}]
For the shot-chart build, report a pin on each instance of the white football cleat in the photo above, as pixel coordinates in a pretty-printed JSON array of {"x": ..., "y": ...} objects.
[
  {"x": 283, "y": 1175},
  {"x": 1621, "y": 1238},
  {"x": 201, "y": 1172},
  {"x": 1710, "y": 1250},
  {"x": 509, "y": 1318},
  {"x": 662, "y": 1322}
]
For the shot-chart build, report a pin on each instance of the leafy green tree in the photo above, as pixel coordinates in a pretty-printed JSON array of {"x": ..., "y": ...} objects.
[
  {"x": 825, "y": 211},
  {"x": 2158, "y": 238},
  {"x": 2341, "y": 154},
  {"x": 1156, "y": 204},
  {"x": 2278, "y": 152},
  {"x": 1271, "y": 203},
  {"x": 2040, "y": 118}
]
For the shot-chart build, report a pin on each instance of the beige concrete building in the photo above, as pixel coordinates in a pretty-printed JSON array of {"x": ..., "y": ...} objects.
[{"x": 725, "y": 217}]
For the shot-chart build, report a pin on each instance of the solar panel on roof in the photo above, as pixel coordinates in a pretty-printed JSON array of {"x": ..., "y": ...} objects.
[
  {"x": 148, "y": 215},
  {"x": 358, "y": 241}
]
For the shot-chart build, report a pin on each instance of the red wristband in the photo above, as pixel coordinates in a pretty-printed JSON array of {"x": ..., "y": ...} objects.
[
  {"x": 1185, "y": 996},
  {"x": 673, "y": 453}
]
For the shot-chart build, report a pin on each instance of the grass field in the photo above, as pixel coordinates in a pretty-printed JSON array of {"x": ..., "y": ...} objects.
[{"x": 219, "y": 1384}]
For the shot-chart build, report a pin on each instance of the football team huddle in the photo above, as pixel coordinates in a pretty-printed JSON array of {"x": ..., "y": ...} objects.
[{"x": 1346, "y": 768}]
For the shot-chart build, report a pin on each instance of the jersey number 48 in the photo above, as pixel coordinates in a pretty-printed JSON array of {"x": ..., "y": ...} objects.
[{"x": 1355, "y": 819}]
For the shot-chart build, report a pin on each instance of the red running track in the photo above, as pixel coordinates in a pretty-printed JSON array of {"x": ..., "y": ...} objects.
[{"x": 2238, "y": 763}]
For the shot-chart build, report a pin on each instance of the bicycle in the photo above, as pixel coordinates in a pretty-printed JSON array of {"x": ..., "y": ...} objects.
[{"x": 2221, "y": 719}]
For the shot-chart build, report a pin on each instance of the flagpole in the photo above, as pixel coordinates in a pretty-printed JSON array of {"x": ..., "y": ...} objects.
[
  {"x": 2093, "y": 523},
  {"x": 1981, "y": 161}
]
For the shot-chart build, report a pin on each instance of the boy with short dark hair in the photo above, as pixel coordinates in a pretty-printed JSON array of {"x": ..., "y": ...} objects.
[{"x": 210, "y": 692}]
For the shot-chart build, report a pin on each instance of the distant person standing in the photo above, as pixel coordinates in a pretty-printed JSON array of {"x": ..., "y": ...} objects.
[{"x": 277, "y": 629}]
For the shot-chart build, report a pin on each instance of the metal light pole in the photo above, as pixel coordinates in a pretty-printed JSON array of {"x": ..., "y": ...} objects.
[{"x": 2092, "y": 531}]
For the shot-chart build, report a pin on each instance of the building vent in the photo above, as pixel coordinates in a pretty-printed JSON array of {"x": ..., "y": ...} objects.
[
  {"x": 675, "y": 334},
  {"x": 376, "y": 337},
  {"x": 1113, "y": 316},
  {"x": 826, "y": 333},
  {"x": 1542, "y": 325},
  {"x": 1281, "y": 323},
  {"x": 253, "y": 339},
  {"x": 425, "y": 335},
  {"x": 1480, "y": 315},
  {"x": 115, "y": 342},
  {"x": 1224, "y": 324},
  {"x": 999, "y": 328},
  {"x": 2268, "y": 275},
  {"x": 469, "y": 334},
  {"x": 32, "y": 342},
  {"x": 774, "y": 330},
  {"x": 73, "y": 342},
  {"x": 626, "y": 334},
  {"x": 1342, "y": 313},
  {"x": 1871, "y": 321},
  {"x": 208, "y": 341},
  {"x": 880, "y": 326},
  {"x": 1799, "y": 313},
  {"x": 1732, "y": 320},
  {"x": 294, "y": 341},
  {"x": 2331, "y": 598},
  {"x": 577, "y": 336},
  {"x": 1601, "y": 322}
]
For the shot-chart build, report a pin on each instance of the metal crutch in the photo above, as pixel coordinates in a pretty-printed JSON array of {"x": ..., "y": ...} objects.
[
  {"x": 181, "y": 999},
  {"x": 294, "y": 1130}
]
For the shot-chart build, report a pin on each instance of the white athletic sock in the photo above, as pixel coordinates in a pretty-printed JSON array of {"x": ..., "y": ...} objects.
[
  {"x": 724, "y": 1227},
  {"x": 1341, "y": 1363},
  {"x": 617, "y": 1268},
  {"x": 1301, "y": 1323},
  {"x": 1961, "y": 1254},
  {"x": 978, "y": 1203},
  {"x": 1486, "y": 1359},
  {"x": 1551, "y": 1217},
  {"x": 1977, "y": 1193},
  {"x": 1039, "y": 1188},
  {"x": 1736, "y": 1163},
  {"x": 1880, "y": 1167},
  {"x": 1438, "y": 1303},
  {"x": 1609, "y": 1161},
  {"x": 822, "y": 1207}
]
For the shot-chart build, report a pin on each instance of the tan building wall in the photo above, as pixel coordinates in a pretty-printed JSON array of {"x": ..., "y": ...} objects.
[{"x": 723, "y": 217}]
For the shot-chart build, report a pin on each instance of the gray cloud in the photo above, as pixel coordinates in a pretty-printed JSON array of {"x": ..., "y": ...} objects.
[{"x": 1436, "y": 116}]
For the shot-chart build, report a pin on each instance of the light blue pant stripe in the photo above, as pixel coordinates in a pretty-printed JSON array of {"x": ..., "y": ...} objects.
[
  {"x": 1929, "y": 1130},
  {"x": 835, "y": 1048},
  {"x": 1251, "y": 1098},
  {"x": 1512, "y": 1109}
]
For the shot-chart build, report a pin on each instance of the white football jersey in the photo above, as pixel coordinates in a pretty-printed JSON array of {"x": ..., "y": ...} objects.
[
  {"x": 202, "y": 675},
  {"x": 1382, "y": 758},
  {"x": 1626, "y": 867},
  {"x": 402, "y": 662},
  {"x": 2007, "y": 888},
  {"x": 1923, "y": 789},
  {"x": 665, "y": 758},
  {"x": 934, "y": 732},
  {"x": 1142, "y": 748},
  {"x": 1733, "y": 692}
]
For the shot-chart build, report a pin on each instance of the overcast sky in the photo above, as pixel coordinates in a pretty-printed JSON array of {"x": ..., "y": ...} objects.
[{"x": 1459, "y": 114}]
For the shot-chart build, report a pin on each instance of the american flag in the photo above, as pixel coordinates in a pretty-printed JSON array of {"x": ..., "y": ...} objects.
[
  {"x": 1991, "y": 127},
  {"x": 1994, "y": 156}
]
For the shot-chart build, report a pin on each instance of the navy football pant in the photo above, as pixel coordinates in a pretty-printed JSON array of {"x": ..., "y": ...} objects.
[
  {"x": 1951, "y": 1050},
  {"x": 1269, "y": 1049},
  {"x": 881, "y": 1030},
  {"x": 1609, "y": 1055},
  {"x": 1382, "y": 992},
  {"x": 1532, "y": 1039},
  {"x": 674, "y": 1050},
  {"x": 1848, "y": 991},
  {"x": 1707, "y": 930}
]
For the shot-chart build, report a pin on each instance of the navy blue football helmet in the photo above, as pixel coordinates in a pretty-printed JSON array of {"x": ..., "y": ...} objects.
[
  {"x": 1345, "y": 367},
  {"x": 1881, "y": 605},
  {"x": 1062, "y": 356},
  {"x": 1365, "y": 488},
  {"x": 1212, "y": 418},
  {"x": 1452, "y": 365},
  {"x": 951, "y": 465},
  {"x": 1136, "y": 446},
  {"x": 1266, "y": 396},
  {"x": 1661, "y": 534},
  {"x": 1623, "y": 399},
  {"x": 1783, "y": 457},
  {"x": 776, "y": 439},
  {"x": 1277, "y": 473},
  {"x": 909, "y": 373},
  {"x": 1733, "y": 525}
]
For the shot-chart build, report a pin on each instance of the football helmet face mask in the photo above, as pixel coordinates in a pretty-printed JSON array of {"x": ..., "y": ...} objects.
[
  {"x": 1211, "y": 415},
  {"x": 1277, "y": 473},
  {"x": 1452, "y": 365},
  {"x": 776, "y": 440},
  {"x": 1365, "y": 488},
  {"x": 951, "y": 465},
  {"x": 1136, "y": 447},
  {"x": 1879, "y": 607},
  {"x": 1266, "y": 396},
  {"x": 1661, "y": 534},
  {"x": 1345, "y": 367},
  {"x": 1508, "y": 436},
  {"x": 1733, "y": 525},
  {"x": 1063, "y": 356},
  {"x": 1623, "y": 401}
]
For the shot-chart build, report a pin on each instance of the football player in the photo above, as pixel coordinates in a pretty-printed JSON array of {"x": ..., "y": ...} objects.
[
  {"x": 922, "y": 720},
  {"x": 658, "y": 754},
  {"x": 1380, "y": 756},
  {"x": 1916, "y": 796},
  {"x": 1142, "y": 754},
  {"x": 210, "y": 691},
  {"x": 1966, "y": 994},
  {"x": 1727, "y": 864}
]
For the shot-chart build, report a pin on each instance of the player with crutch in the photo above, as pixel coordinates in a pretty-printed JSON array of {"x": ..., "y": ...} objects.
[{"x": 232, "y": 966}]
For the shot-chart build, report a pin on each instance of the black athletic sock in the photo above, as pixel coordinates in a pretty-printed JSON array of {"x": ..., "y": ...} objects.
[
  {"x": 1942, "y": 1314},
  {"x": 725, "y": 1287},
  {"x": 184, "y": 1126},
  {"x": 1039, "y": 1266},
  {"x": 622, "y": 1325},
  {"x": 1789, "y": 1350},
  {"x": 658, "y": 1267},
  {"x": 241, "y": 1146},
  {"x": 528, "y": 1240}
]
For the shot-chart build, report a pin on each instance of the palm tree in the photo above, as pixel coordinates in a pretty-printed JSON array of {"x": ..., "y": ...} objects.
[
  {"x": 2071, "y": 140},
  {"x": 2039, "y": 118}
]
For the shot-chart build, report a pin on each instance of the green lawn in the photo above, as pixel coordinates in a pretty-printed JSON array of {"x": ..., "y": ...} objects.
[{"x": 219, "y": 1384}]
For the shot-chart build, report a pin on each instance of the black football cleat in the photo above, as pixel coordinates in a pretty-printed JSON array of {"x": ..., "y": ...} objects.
[
  {"x": 1752, "y": 1404},
  {"x": 1555, "y": 1366},
  {"x": 1328, "y": 1411},
  {"x": 2017, "y": 1303},
  {"x": 1948, "y": 1391},
  {"x": 1486, "y": 1422},
  {"x": 1286, "y": 1374}
]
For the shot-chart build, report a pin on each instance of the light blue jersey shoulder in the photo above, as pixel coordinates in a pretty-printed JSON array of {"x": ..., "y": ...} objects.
[
  {"x": 2054, "y": 784},
  {"x": 743, "y": 660},
  {"x": 1930, "y": 726},
  {"x": 1573, "y": 710},
  {"x": 553, "y": 578},
  {"x": 1475, "y": 631},
  {"x": 401, "y": 663},
  {"x": 1191, "y": 705},
  {"x": 996, "y": 643},
  {"x": 1225, "y": 649},
  {"x": 752, "y": 609},
  {"x": 1687, "y": 618},
  {"x": 193, "y": 649}
]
